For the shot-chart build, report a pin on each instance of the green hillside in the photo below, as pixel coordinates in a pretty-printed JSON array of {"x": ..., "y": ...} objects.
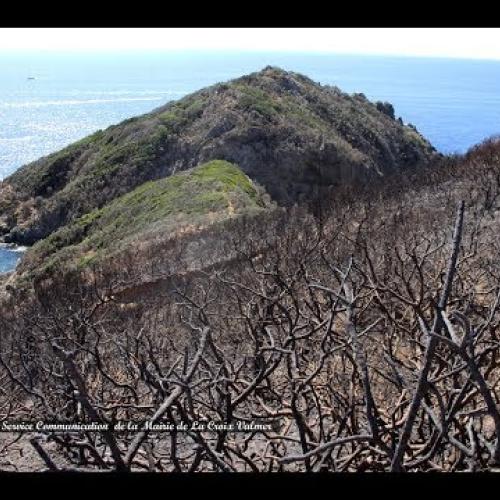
[{"x": 209, "y": 193}]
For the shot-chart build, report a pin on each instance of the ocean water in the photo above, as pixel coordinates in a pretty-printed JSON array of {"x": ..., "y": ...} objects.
[
  {"x": 48, "y": 101},
  {"x": 9, "y": 258}
]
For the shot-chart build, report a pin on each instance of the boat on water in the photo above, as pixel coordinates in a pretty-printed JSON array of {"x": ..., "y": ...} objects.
[{"x": 31, "y": 78}]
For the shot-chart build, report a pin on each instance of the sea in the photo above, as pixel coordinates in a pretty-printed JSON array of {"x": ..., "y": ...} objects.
[{"x": 49, "y": 100}]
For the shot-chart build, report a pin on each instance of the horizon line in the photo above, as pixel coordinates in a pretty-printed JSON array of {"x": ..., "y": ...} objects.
[{"x": 193, "y": 51}]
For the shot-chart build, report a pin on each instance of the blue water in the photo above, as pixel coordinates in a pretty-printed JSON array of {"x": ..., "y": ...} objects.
[
  {"x": 454, "y": 103},
  {"x": 9, "y": 259}
]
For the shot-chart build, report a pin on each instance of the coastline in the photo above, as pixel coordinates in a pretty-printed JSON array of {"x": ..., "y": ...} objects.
[{"x": 12, "y": 247}]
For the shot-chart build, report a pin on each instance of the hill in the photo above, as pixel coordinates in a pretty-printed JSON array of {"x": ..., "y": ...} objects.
[
  {"x": 283, "y": 130},
  {"x": 167, "y": 208}
]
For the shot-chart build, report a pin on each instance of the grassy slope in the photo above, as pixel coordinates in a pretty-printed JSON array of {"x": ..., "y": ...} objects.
[{"x": 208, "y": 193}]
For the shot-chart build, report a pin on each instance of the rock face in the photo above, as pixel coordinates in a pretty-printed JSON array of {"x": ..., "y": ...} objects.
[{"x": 283, "y": 130}]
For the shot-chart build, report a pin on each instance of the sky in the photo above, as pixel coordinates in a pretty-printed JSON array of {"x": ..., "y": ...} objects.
[{"x": 469, "y": 43}]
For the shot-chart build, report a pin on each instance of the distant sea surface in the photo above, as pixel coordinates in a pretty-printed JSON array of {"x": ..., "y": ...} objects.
[{"x": 48, "y": 101}]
